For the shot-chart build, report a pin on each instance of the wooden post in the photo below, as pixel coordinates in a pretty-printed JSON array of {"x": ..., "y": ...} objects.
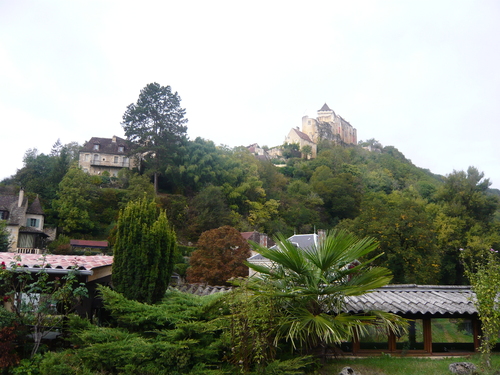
[{"x": 427, "y": 326}]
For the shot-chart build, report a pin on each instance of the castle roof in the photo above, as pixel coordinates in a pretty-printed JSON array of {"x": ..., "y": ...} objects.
[{"x": 325, "y": 108}]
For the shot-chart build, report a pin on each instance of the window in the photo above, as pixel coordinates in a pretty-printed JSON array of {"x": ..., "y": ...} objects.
[
  {"x": 26, "y": 240},
  {"x": 87, "y": 156},
  {"x": 96, "y": 147},
  {"x": 120, "y": 148},
  {"x": 116, "y": 159},
  {"x": 125, "y": 161},
  {"x": 4, "y": 215},
  {"x": 30, "y": 222}
]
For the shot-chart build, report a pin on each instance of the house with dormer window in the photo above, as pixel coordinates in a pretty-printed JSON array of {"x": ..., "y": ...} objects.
[
  {"x": 25, "y": 223},
  {"x": 105, "y": 155}
]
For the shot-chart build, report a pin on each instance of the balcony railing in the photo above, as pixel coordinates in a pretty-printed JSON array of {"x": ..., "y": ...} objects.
[
  {"x": 29, "y": 250},
  {"x": 123, "y": 164}
]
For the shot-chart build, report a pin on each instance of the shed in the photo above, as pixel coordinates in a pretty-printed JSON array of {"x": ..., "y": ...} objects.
[
  {"x": 91, "y": 270},
  {"x": 431, "y": 309}
]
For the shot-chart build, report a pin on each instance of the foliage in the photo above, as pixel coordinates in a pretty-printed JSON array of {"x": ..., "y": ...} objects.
[
  {"x": 4, "y": 236},
  {"x": 406, "y": 235},
  {"x": 73, "y": 203},
  {"x": 311, "y": 286},
  {"x": 177, "y": 336},
  {"x": 41, "y": 174},
  {"x": 484, "y": 276},
  {"x": 220, "y": 255},
  {"x": 61, "y": 245},
  {"x": 209, "y": 210},
  {"x": 144, "y": 252},
  {"x": 155, "y": 126},
  {"x": 464, "y": 217},
  {"x": 40, "y": 301}
]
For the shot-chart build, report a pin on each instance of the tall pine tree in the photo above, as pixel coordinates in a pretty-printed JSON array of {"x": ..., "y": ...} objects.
[{"x": 144, "y": 252}]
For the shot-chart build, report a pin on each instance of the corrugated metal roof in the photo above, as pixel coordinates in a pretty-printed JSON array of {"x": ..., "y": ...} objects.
[
  {"x": 201, "y": 289},
  {"x": 415, "y": 299}
]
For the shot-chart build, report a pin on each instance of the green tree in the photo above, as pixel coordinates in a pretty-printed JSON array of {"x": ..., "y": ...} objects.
[
  {"x": 220, "y": 255},
  {"x": 464, "y": 217},
  {"x": 406, "y": 233},
  {"x": 73, "y": 203},
  {"x": 4, "y": 237},
  {"x": 144, "y": 252},
  {"x": 484, "y": 277},
  {"x": 155, "y": 125},
  {"x": 311, "y": 285},
  {"x": 209, "y": 210},
  {"x": 39, "y": 301}
]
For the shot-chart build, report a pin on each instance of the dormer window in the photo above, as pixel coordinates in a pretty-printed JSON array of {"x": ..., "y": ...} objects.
[
  {"x": 30, "y": 222},
  {"x": 121, "y": 148},
  {"x": 4, "y": 215},
  {"x": 96, "y": 147}
]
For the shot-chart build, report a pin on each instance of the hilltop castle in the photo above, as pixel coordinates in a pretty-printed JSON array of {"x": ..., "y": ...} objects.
[{"x": 327, "y": 126}]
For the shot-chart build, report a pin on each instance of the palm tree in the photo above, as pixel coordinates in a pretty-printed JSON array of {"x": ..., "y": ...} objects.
[{"x": 312, "y": 285}]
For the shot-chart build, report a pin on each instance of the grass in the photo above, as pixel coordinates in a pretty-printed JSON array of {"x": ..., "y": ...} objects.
[{"x": 387, "y": 365}]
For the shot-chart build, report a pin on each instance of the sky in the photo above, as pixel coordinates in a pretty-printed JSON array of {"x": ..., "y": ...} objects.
[{"x": 423, "y": 75}]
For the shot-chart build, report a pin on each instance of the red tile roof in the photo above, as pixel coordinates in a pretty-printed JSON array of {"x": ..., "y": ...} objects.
[{"x": 50, "y": 261}]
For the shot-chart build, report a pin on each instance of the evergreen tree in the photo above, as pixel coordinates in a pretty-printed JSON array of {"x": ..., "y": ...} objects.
[
  {"x": 156, "y": 125},
  {"x": 144, "y": 252}
]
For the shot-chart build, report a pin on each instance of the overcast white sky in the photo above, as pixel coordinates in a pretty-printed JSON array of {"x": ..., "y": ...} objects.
[{"x": 422, "y": 76}]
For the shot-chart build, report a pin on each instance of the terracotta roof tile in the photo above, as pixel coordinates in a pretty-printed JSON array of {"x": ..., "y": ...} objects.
[{"x": 56, "y": 261}]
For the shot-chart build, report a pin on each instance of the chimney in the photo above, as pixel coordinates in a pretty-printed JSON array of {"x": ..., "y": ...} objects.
[
  {"x": 21, "y": 198},
  {"x": 114, "y": 139},
  {"x": 263, "y": 240}
]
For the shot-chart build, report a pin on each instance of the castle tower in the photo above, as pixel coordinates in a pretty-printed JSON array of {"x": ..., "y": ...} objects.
[{"x": 325, "y": 114}]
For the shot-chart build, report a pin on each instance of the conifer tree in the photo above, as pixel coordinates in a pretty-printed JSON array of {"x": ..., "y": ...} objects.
[{"x": 144, "y": 252}]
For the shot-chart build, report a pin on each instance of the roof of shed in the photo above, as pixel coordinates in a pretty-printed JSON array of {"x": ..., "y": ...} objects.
[
  {"x": 201, "y": 289},
  {"x": 415, "y": 299},
  {"x": 50, "y": 261},
  {"x": 88, "y": 243}
]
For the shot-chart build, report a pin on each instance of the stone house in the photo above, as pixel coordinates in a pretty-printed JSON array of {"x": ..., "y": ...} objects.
[
  {"x": 25, "y": 223},
  {"x": 302, "y": 139},
  {"x": 105, "y": 155}
]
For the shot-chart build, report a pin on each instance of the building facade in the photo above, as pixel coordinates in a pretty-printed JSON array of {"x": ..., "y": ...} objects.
[
  {"x": 105, "y": 154},
  {"x": 25, "y": 223}
]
